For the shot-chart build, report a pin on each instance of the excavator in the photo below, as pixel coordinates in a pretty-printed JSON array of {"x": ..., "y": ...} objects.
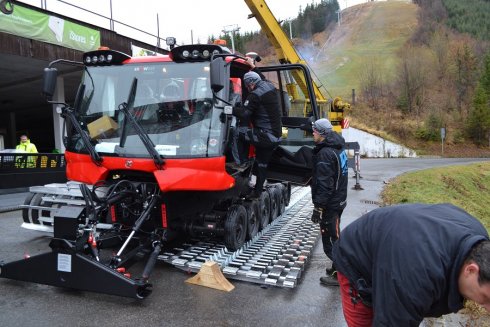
[{"x": 148, "y": 163}]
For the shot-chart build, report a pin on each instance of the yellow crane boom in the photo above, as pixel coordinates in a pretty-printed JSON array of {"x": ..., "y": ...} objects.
[
  {"x": 284, "y": 47},
  {"x": 287, "y": 54}
]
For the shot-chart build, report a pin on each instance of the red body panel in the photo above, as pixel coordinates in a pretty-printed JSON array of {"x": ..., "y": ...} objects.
[{"x": 202, "y": 174}]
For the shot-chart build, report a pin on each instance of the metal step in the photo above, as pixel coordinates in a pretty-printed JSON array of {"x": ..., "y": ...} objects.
[{"x": 276, "y": 256}]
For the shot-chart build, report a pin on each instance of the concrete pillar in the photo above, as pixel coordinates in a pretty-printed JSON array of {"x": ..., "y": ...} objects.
[
  {"x": 12, "y": 130},
  {"x": 59, "y": 96}
]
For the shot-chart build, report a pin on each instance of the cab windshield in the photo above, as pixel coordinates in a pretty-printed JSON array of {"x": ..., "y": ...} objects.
[{"x": 173, "y": 104}]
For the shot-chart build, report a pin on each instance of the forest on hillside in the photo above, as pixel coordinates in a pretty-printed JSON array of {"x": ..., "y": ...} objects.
[
  {"x": 314, "y": 18},
  {"x": 442, "y": 79}
]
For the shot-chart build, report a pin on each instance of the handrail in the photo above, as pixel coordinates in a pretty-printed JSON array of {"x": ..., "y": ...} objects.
[{"x": 110, "y": 19}]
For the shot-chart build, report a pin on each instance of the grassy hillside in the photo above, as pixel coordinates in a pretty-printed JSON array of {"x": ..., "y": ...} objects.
[
  {"x": 465, "y": 186},
  {"x": 412, "y": 76},
  {"x": 370, "y": 32}
]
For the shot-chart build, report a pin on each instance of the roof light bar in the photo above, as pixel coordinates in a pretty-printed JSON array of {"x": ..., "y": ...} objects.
[
  {"x": 104, "y": 57},
  {"x": 196, "y": 52}
]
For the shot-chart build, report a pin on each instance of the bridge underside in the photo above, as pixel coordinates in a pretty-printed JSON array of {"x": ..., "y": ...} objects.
[{"x": 22, "y": 60}]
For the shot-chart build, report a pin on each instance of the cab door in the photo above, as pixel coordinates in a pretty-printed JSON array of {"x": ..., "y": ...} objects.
[{"x": 292, "y": 160}]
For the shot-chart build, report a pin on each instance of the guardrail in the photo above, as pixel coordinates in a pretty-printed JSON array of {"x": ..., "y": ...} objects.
[
  {"x": 51, "y": 161},
  {"x": 18, "y": 170},
  {"x": 75, "y": 11}
]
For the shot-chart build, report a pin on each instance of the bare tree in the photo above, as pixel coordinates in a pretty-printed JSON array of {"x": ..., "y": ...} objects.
[
  {"x": 371, "y": 82},
  {"x": 440, "y": 45},
  {"x": 412, "y": 79},
  {"x": 465, "y": 77}
]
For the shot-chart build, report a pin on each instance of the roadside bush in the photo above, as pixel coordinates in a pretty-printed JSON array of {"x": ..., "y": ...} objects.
[{"x": 431, "y": 129}]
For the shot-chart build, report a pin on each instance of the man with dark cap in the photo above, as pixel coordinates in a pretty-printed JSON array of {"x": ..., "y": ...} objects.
[
  {"x": 328, "y": 188},
  {"x": 260, "y": 125}
]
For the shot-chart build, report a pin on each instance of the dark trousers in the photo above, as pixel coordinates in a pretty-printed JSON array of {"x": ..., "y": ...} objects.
[
  {"x": 330, "y": 230},
  {"x": 262, "y": 157},
  {"x": 265, "y": 144}
]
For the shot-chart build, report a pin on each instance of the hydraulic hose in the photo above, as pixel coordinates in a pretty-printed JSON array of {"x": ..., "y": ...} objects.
[{"x": 151, "y": 261}]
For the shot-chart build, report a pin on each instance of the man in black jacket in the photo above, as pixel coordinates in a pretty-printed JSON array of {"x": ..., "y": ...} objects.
[
  {"x": 328, "y": 188},
  {"x": 260, "y": 111},
  {"x": 397, "y": 265}
]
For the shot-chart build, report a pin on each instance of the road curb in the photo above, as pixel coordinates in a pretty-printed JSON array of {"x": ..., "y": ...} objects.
[{"x": 8, "y": 209}]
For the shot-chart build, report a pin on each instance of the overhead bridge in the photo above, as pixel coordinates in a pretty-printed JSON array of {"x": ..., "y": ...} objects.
[{"x": 32, "y": 37}]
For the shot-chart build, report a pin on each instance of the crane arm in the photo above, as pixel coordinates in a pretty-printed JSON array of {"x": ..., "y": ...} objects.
[{"x": 284, "y": 47}]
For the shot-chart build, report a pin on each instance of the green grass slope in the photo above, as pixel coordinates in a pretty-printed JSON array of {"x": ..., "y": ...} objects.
[
  {"x": 372, "y": 32},
  {"x": 465, "y": 186}
]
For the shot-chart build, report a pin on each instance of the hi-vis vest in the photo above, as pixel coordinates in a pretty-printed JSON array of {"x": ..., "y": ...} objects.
[{"x": 28, "y": 147}]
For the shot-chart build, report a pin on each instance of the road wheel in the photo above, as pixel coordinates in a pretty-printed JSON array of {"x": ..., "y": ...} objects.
[
  {"x": 264, "y": 209},
  {"x": 253, "y": 223},
  {"x": 36, "y": 201},
  {"x": 282, "y": 200},
  {"x": 286, "y": 193},
  {"x": 273, "y": 194},
  {"x": 25, "y": 212},
  {"x": 235, "y": 227}
]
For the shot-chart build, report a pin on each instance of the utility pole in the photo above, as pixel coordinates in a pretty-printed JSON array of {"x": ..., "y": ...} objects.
[
  {"x": 232, "y": 29},
  {"x": 339, "y": 17},
  {"x": 290, "y": 28}
]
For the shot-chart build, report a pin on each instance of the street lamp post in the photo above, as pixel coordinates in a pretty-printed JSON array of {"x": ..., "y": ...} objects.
[{"x": 232, "y": 29}]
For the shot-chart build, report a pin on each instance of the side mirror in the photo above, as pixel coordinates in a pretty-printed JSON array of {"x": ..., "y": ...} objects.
[
  {"x": 49, "y": 82},
  {"x": 217, "y": 74}
]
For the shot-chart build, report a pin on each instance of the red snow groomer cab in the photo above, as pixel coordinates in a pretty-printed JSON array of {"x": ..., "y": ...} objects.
[{"x": 148, "y": 141}]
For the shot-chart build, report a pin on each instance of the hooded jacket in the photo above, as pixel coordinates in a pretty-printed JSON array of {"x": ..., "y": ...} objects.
[
  {"x": 406, "y": 260},
  {"x": 27, "y": 147},
  {"x": 329, "y": 178}
]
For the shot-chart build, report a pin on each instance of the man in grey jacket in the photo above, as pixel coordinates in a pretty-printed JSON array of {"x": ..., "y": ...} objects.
[{"x": 328, "y": 188}]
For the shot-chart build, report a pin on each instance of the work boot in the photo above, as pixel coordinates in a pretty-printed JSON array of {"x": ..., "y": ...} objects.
[
  {"x": 253, "y": 195},
  {"x": 239, "y": 167},
  {"x": 330, "y": 279}
]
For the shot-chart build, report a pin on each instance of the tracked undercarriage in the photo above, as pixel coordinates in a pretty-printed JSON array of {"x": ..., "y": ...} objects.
[{"x": 279, "y": 240}]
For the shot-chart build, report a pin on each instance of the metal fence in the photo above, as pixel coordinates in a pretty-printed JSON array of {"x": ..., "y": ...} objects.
[
  {"x": 75, "y": 11},
  {"x": 51, "y": 161},
  {"x": 18, "y": 170}
]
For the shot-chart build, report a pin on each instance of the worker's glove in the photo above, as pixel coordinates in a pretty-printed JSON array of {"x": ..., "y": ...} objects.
[
  {"x": 237, "y": 111},
  {"x": 251, "y": 62},
  {"x": 316, "y": 216},
  {"x": 222, "y": 117}
]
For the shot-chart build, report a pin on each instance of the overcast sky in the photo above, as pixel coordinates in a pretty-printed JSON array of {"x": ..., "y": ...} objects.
[{"x": 191, "y": 20}]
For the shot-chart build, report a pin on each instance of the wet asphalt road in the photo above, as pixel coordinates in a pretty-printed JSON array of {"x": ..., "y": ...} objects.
[{"x": 176, "y": 303}]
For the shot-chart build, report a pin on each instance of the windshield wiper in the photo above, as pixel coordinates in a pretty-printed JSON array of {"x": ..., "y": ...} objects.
[
  {"x": 68, "y": 111},
  {"x": 149, "y": 145}
]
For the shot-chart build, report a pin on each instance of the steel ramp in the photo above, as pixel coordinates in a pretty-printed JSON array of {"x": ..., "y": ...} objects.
[{"x": 276, "y": 256}]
